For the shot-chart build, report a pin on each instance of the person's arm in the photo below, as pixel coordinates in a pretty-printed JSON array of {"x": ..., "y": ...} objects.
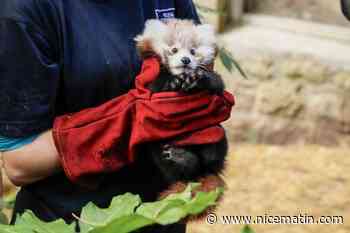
[
  {"x": 1, "y": 182},
  {"x": 30, "y": 74},
  {"x": 32, "y": 162}
]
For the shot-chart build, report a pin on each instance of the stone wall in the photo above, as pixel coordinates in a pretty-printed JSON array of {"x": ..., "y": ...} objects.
[
  {"x": 290, "y": 99},
  {"x": 324, "y": 11}
]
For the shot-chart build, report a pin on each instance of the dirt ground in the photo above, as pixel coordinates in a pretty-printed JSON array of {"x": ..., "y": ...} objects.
[{"x": 276, "y": 180}]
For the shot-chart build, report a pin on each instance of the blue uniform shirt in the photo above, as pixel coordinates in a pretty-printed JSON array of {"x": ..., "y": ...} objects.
[
  {"x": 9, "y": 144},
  {"x": 60, "y": 56}
]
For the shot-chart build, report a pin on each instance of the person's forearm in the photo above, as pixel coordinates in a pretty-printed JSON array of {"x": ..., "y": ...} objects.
[
  {"x": 1, "y": 182},
  {"x": 32, "y": 162}
]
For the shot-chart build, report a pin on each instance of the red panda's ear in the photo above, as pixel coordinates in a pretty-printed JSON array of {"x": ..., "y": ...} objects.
[
  {"x": 155, "y": 30},
  {"x": 144, "y": 47}
]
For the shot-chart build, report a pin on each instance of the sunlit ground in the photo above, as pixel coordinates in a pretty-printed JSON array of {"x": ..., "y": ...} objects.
[{"x": 277, "y": 180}]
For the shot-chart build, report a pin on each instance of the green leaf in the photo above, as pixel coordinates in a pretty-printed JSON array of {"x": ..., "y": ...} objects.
[
  {"x": 29, "y": 221},
  {"x": 226, "y": 60},
  {"x": 202, "y": 201},
  {"x": 15, "y": 229},
  {"x": 123, "y": 205},
  {"x": 125, "y": 214},
  {"x": 9, "y": 200},
  {"x": 3, "y": 218},
  {"x": 247, "y": 229},
  {"x": 239, "y": 68},
  {"x": 186, "y": 195},
  {"x": 172, "y": 210},
  {"x": 159, "y": 211},
  {"x": 124, "y": 224},
  {"x": 229, "y": 62}
]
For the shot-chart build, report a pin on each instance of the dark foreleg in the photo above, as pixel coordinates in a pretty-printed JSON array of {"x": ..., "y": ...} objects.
[
  {"x": 202, "y": 79},
  {"x": 175, "y": 163},
  {"x": 212, "y": 157}
]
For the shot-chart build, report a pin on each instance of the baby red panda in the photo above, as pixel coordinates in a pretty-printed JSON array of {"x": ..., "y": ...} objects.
[{"x": 186, "y": 52}]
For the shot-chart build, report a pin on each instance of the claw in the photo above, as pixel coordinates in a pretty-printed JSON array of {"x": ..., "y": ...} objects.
[
  {"x": 188, "y": 80},
  {"x": 192, "y": 85},
  {"x": 167, "y": 151},
  {"x": 193, "y": 74},
  {"x": 182, "y": 76},
  {"x": 173, "y": 85},
  {"x": 178, "y": 81},
  {"x": 200, "y": 73}
]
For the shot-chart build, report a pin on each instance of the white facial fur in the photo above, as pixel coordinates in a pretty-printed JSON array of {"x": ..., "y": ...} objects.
[{"x": 179, "y": 40}]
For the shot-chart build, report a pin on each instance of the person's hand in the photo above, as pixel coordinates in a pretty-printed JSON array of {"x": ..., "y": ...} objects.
[{"x": 104, "y": 139}]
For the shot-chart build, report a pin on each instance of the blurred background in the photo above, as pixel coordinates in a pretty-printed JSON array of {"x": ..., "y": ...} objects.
[{"x": 290, "y": 130}]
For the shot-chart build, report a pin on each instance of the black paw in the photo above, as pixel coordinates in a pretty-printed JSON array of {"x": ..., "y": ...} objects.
[
  {"x": 174, "y": 84},
  {"x": 192, "y": 79},
  {"x": 178, "y": 161},
  {"x": 173, "y": 153}
]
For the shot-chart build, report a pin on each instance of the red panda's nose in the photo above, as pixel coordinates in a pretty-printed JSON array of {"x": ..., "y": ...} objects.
[{"x": 186, "y": 60}]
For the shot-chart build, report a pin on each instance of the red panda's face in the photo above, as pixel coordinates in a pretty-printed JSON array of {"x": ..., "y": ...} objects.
[
  {"x": 181, "y": 45},
  {"x": 180, "y": 58}
]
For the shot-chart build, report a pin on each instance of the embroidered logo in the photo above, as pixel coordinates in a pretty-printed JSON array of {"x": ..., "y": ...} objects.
[{"x": 164, "y": 14}]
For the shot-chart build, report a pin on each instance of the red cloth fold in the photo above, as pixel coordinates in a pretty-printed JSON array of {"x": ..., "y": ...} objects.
[{"x": 106, "y": 138}]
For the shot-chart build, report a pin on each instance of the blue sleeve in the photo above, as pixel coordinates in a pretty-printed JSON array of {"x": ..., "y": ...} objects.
[
  {"x": 9, "y": 144},
  {"x": 186, "y": 9},
  {"x": 29, "y": 72}
]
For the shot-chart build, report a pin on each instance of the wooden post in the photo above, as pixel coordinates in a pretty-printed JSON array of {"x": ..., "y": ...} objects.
[
  {"x": 222, "y": 8},
  {"x": 236, "y": 10},
  {"x": 249, "y": 5},
  {"x": 231, "y": 11}
]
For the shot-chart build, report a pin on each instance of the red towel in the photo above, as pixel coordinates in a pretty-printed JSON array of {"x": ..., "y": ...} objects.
[{"x": 106, "y": 138}]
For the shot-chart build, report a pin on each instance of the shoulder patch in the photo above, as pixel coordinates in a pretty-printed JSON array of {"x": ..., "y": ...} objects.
[{"x": 164, "y": 14}]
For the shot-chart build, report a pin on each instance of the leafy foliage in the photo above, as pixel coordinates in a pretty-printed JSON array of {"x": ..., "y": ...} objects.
[
  {"x": 7, "y": 202},
  {"x": 126, "y": 214},
  {"x": 247, "y": 229},
  {"x": 3, "y": 218},
  {"x": 229, "y": 62}
]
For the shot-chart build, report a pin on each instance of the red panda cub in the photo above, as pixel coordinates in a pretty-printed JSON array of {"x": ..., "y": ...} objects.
[{"x": 186, "y": 52}]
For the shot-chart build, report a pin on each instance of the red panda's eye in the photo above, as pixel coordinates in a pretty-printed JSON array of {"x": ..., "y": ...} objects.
[
  {"x": 193, "y": 51},
  {"x": 174, "y": 50}
]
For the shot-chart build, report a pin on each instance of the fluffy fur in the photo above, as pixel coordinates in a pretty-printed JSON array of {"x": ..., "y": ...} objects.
[
  {"x": 176, "y": 39},
  {"x": 186, "y": 51}
]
